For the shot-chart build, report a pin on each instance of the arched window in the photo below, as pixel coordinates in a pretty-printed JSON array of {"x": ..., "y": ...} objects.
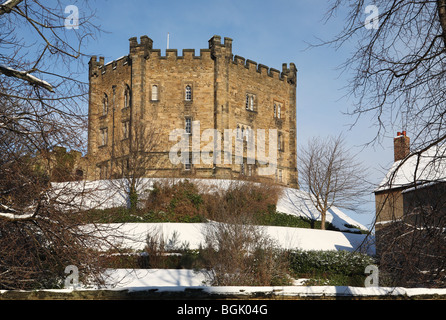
[
  {"x": 188, "y": 93},
  {"x": 154, "y": 93},
  {"x": 105, "y": 104},
  {"x": 238, "y": 132}
]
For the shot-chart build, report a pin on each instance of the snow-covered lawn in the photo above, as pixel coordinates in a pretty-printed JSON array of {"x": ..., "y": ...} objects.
[{"x": 133, "y": 236}]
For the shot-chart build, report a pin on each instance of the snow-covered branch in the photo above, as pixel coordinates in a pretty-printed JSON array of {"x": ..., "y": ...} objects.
[
  {"x": 13, "y": 215},
  {"x": 23, "y": 75},
  {"x": 8, "y": 5}
]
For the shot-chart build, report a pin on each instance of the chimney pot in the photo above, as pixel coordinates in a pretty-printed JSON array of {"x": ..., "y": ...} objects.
[{"x": 401, "y": 146}]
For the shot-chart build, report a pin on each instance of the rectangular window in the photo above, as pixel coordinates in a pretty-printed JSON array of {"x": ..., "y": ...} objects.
[
  {"x": 103, "y": 136},
  {"x": 188, "y": 126},
  {"x": 103, "y": 171},
  {"x": 154, "y": 93},
  {"x": 188, "y": 93},
  {"x": 250, "y": 102},
  {"x": 280, "y": 143},
  {"x": 126, "y": 129},
  {"x": 188, "y": 164},
  {"x": 105, "y": 105}
]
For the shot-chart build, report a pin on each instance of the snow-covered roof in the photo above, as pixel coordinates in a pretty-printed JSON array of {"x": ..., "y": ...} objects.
[{"x": 416, "y": 169}]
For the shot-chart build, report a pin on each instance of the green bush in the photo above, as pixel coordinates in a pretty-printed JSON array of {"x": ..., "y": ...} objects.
[
  {"x": 273, "y": 218},
  {"x": 178, "y": 202},
  {"x": 333, "y": 262}
]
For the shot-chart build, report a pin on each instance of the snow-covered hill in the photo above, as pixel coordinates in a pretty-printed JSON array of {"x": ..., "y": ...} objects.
[
  {"x": 106, "y": 194},
  {"x": 112, "y": 193},
  {"x": 133, "y": 236}
]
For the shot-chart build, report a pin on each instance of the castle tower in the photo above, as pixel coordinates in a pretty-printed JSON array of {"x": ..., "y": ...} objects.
[{"x": 145, "y": 92}]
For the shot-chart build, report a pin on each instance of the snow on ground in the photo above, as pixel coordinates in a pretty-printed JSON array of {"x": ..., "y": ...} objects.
[
  {"x": 133, "y": 236},
  {"x": 111, "y": 193},
  {"x": 106, "y": 194},
  {"x": 143, "y": 278},
  {"x": 169, "y": 280}
]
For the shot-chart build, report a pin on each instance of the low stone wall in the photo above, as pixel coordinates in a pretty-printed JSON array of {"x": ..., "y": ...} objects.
[{"x": 231, "y": 293}]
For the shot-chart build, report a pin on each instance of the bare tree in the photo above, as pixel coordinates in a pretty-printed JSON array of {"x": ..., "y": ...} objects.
[
  {"x": 398, "y": 67},
  {"x": 42, "y": 105},
  {"x": 42, "y": 99},
  {"x": 331, "y": 175},
  {"x": 398, "y": 78},
  {"x": 135, "y": 159}
]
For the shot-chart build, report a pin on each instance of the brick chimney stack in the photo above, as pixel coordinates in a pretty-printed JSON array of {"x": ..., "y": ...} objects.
[{"x": 401, "y": 146}]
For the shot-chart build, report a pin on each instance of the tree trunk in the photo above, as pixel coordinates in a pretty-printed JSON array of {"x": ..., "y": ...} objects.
[
  {"x": 323, "y": 219},
  {"x": 441, "y": 4}
]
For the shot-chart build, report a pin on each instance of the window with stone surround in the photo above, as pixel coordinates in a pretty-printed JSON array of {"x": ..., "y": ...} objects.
[
  {"x": 103, "y": 171},
  {"x": 188, "y": 125},
  {"x": 155, "y": 96},
  {"x": 125, "y": 129},
  {"x": 278, "y": 110},
  {"x": 127, "y": 97},
  {"x": 280, "y": 144},
  {"x": 188, "y": 93},
  {"x": 250, "y": 102},
  {"x": 105, "y": 105},
  {"x": 188, "y": 164},
  {"x": 103, "y": 137}
]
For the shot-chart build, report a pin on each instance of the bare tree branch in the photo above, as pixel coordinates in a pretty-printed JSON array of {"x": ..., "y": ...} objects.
[
  {"x": 25, "y": 76},
  {"x": 8, "y": 5}
]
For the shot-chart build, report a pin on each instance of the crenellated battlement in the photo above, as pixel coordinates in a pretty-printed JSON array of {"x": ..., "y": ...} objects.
[
  {"x": 216, "y": 48},
  {"x": 98, "y": 67},
  {"x": 288, "y": 73}
]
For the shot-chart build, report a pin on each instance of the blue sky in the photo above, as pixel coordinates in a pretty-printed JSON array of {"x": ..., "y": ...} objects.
[{"x": 268, "y": 32}]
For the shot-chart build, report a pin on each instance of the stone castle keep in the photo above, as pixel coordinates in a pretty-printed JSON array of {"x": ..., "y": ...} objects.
[{"x": 137, "y": 100}]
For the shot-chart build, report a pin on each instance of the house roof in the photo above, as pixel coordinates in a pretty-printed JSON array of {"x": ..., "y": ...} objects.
[{"x": 418, "y": 168}]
